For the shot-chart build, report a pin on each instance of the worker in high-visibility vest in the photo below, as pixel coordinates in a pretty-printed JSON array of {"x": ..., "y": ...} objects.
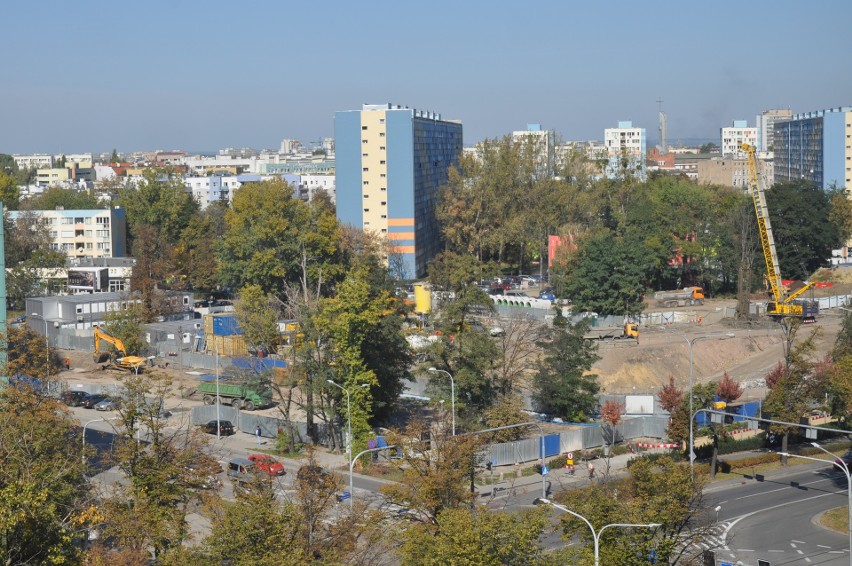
[{"x": 569, "y": 465}]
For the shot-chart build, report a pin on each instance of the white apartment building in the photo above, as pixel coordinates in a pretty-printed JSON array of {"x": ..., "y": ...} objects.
[
  {"x": 82, "y": 233},
  {"x": 309, "y": 184},
  {"x": 543, "y": 145},
  {"x": 734, "y": 137},
  {"x": 625, "y": 150},
  {"x": 214, "y": 188},
  {"x": 37, "y": 161}
]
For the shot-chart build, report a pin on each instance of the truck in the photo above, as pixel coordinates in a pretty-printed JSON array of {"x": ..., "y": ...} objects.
[
  {"x": 248, "y": 395},
  {"x": 116, "y": 357},
  {"x": 688, "y": 296},
  {"x": 628, "y": 330}
]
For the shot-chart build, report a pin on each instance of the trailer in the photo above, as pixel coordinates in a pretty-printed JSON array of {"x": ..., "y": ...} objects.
[{"x": 688, "y": 296}]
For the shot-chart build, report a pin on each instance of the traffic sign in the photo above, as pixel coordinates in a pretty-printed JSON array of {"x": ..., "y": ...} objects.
[
  {"x": 544, "y": 470},
  {"x": 692, "y": 456},
  {"x": 570, "y": 456}
]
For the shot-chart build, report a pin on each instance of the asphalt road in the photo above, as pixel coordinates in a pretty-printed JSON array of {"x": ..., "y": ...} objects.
[{"x": 776, "y": 519}]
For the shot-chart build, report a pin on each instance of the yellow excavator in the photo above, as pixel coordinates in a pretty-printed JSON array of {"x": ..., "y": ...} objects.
[
  {"x": 117, "y": 356},
  {"x": 786, "y": 303}
]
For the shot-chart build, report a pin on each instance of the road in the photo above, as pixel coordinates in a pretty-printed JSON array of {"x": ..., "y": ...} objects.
[{"x": 776, "y": 519}]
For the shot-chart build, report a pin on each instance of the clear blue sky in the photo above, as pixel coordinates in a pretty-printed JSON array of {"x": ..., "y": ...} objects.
[{"x": 206, "y": 74}]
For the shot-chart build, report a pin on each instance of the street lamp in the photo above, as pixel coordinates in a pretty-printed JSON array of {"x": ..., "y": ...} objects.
[
  {"x": 352, "y": 466},
  {"x": 690, "y": 343},
  {"x": 348, "y": 412},
  {"x": 46, "y": 345},
  {"x": 596, "y": 536},
  {"x": 839, "y": 463},
  {"x": 452, "y": 395}
]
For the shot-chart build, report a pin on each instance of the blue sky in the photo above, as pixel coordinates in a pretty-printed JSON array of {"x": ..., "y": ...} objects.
[{"x": 202, "y": 75}]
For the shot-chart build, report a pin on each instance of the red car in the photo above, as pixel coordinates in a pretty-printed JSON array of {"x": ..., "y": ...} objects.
[{"x": 267, "y": 464}]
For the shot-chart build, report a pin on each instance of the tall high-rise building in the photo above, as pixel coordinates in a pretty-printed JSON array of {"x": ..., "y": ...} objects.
[
  {"x": 542, "y": 145},
  {"x": 734, "y": 137},
  {"x": 816, "y": 146},
  {"x": 390, "y": 162},
  {"x": 625, "y": 149},
  {"x": 765, "y": 123}
]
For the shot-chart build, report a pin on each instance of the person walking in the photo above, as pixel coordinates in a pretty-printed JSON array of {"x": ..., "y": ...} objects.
[
  {"x": 591, "y": 471},
  {"x": 257, "y": 432}
]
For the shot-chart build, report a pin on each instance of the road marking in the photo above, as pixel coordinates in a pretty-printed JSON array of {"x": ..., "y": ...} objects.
[
  {"x": 808, "y": 560},
  {"x": 745, "y": 550},
  {"x": 779, "y": 489},
  {"x": 798, "y": 541},
  {"x": 799, "y": 551},
  {"x": 738, "y": 519},
  {"x": 793, "y": 545},
  {"x": 775, "y": 551},
  {"x": 823, "y": 546}
]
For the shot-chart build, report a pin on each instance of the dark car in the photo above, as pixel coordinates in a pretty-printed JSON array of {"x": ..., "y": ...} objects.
[
  {"x": 226, "y": 428},
  {"x": 845, "y": 459},
  {"x": 92, "y": 400},
  {"x": 74, "y": 398}
]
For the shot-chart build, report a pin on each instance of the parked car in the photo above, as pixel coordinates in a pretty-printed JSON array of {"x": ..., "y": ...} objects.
[
  {"x": 268, "y": 464},
  {"x": 108, "y": 404},
  {"x": 74, "y": 398},
  {"x": 226, "y": 428},
  {"x": 92, "y": 400},
  {"x": 845, "y": 459}
]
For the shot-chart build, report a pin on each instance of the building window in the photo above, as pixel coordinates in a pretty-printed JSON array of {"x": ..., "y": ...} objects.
[
  {"x": 365, "y": 169},
  {"x": 381, "y": 134},
  {"x": 382, "y": 162},
  {"x": 363, "y": 127},
  {"x": 366, "y": 210},
  {"x": 363, "y": 141},
  {"x": 381, "y": 148}
]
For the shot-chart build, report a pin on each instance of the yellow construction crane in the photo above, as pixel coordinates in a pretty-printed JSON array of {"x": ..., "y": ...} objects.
[{"x": 785, "y": 303}]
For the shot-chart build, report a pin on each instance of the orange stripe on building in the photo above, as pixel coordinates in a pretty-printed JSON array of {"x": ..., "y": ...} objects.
[
  {"x": 400, "y": 235},
  {"x": 403, "y": 249},
  {"x": 401, "y": 222}
]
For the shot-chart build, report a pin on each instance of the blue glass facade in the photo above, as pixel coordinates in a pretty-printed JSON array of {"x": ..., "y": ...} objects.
[
  {"x": 812, "y": 146},
  {"x": 347, "y": 179}
]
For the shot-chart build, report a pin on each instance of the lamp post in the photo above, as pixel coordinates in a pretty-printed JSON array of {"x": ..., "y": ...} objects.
[
  {"x": 596, "y": 536},
  {"x": 46, "y": 346},
  {"x": 690, "y": 343},
  {"x": 352, "y": 466},
  {"x": 452, "y": 394},
  {"x": 838, "y": 463},
  {"x": 348, "y": 413},
  {"x": 218, "y": 401}
]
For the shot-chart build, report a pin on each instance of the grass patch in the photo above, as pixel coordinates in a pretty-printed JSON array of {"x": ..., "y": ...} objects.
[
  {"x": 388, "y": 472},
  {"x": 836, "y": 519}
]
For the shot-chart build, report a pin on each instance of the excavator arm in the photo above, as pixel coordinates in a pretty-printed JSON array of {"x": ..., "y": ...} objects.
[{"x": 121, "y": 360}]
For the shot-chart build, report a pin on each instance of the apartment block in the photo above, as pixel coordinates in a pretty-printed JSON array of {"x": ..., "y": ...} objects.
[
  {"x": 816, "y": 146},
  {"x": 734, "y": 137},
  {"x": 625, "y": 150},
  {"x": 81, "y": 233},
  {"x": 541, "y": 144},
  {"x": 390, "y": 162},
  {"x": 765, "y": 123}
]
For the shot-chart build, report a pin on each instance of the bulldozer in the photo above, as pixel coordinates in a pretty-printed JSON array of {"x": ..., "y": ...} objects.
[{"x": 116, "y": 357}]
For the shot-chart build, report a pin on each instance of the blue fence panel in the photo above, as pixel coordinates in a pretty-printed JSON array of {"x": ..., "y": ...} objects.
[{"x": 551, "y": 445}]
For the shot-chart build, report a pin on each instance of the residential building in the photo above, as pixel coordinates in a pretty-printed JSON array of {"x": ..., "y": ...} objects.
[
  {"x": 733, "y": 172},
  {"x": 734, "y": 137},
  {"x": 74, "y": 174},
  {"x": 37, "y": 161},
  {"x": 310, "y": 183},
  {"x": 765, "y": 123},
  {"x": 816, "y": 146},
  {"x": 542, "y": 144},
  {"x": 625, "y": 151},
  {"x": 390, "y": 162},
  {"x": 82, "y": 233}
]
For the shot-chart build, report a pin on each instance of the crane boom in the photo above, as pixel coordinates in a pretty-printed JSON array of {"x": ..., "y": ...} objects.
[{"x": 785, "y": 304}]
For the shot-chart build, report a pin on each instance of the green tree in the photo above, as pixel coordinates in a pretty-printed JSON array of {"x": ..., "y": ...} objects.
[
  {"x": 562, "y": 385},
  {"x": 58, "y": 197},
  {"x": 44, "y": 498},
  {"x": 196, "y": 258},
  {"x": 159, "y": 200},
  {"x": 478, "y": 537},
  {"x": 114, "y": 158},
  {"x": 258, "y": 314},
  {"x": 128, "y": 325},
  {"x": 9, "y": 192},
  {"x": 801, "y": 223},
  {"x": 658, "y": 491},
  {"x": 608, "y": 274}
]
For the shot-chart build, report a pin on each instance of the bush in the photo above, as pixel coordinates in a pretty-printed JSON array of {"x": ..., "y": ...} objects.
[
  {"x": 652, "y": 458},
  {"x": 282, "y": 443},
  {"x": 728, "y": 445}
]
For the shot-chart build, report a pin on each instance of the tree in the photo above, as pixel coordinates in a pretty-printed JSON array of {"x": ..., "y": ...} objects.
[
  {"x": 128, "y": 325},
  {"x": 159, "y": 200},
  {"x": 44, "y": 498},
  {"x": 709, "y": 147},
  {"x": 263, "y": 244},
  {"x": 608, "y": 274},
  {"x": 803, "y": 240},
  {"x": 658, "y": 491},
  {"x": 507, "y": 411},
  {"x": 153, "y": 266},
  {"x": 562, "y": 385},
  {"x": 58, "y": 197},
  {"x": 258, "y": 314},
  {"x": 728, "y": 390},
  {"x": 436, "y": 470},
  {"x": 9, "y": 192},
  {"x": 670, "y": 395},
  {"x": 196, "y": 259},
  {"x": 477, "y": 536},
  {"x": 113, "y": 157}
]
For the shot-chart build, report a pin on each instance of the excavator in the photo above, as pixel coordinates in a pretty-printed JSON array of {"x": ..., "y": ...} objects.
[
  {"x": 786, "y": 302},
  {"x": 117, "y": 359}
]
